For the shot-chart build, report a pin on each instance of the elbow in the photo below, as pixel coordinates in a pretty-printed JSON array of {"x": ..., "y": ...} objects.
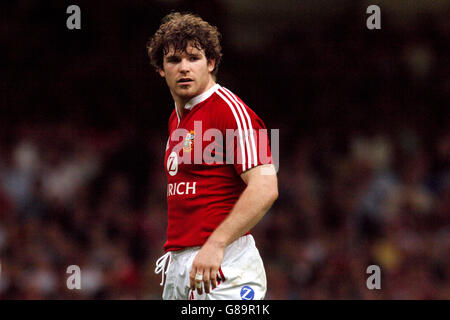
[
  {"x": 272, "y": 195},
  {"x": 271, "y": 188},
  {"x": 275, "y": 195}
]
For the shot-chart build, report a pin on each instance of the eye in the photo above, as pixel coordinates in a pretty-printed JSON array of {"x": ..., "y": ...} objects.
[
  {"x": 173, "y": 59},
  {"x": 193, "y": 58}
]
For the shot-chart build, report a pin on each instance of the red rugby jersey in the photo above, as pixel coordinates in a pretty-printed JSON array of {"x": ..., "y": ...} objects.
[{"x": 203, "y": 164}]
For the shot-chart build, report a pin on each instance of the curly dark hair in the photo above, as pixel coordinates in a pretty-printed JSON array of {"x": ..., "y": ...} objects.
[{"x": 177, "y": 30}]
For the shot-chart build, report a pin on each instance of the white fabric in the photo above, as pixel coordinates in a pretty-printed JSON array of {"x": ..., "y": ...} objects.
[
  {"x": 242, "y": 268},
  {"x": 161, "y": 263},
  {"x": 201, "y": 97}
]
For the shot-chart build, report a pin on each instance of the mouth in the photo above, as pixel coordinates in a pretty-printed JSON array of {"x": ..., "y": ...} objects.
[{"x": 185, "y": 81}]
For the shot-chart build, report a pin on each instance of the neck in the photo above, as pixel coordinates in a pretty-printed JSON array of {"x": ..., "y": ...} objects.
[{"x": 180, "y": 102}]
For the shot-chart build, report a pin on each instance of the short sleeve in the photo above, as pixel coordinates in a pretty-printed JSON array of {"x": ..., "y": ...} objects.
[{"x": 246, "y": 137}]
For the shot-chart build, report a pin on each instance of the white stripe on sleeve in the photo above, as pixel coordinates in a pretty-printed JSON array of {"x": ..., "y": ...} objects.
[
  {"x": 238, "y": 125},
  {"x": 247, "y": 144},
  {"x": 253, "y": 144}
]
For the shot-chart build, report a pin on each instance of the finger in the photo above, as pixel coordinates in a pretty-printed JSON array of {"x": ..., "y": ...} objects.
[
  {"x": 194, "y": 271},
  {"x": 198, "y": 282},
  {"x": 213, "y": 278},
  {"x": 206, "y": 281},
  {"x": 199, "y": 287}
]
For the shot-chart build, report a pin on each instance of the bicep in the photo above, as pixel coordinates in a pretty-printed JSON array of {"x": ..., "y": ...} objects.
[{"x": 263, "y": 174}]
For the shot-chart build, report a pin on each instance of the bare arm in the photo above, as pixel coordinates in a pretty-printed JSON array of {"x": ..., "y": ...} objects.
[{"x": 254, "y": 202}]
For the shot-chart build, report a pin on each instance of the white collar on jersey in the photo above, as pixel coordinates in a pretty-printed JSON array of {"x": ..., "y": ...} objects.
[{"x": 201, "y": 97}]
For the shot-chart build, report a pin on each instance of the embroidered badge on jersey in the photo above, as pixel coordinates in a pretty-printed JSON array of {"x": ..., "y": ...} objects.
[
  {"x": 188, "y": 141},
  {"x": 247, "y": 293}
]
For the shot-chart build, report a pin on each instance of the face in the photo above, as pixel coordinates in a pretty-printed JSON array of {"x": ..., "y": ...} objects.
[{"x": 187, "y": 73}]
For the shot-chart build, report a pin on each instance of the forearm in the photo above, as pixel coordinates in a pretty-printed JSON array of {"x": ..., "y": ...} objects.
[
  {"x": 247, "y": 212},
  {"x": 257, "y": 198}
]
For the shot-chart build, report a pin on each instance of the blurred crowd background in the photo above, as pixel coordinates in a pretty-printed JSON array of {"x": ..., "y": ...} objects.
[{"x": 364, "y": 153}]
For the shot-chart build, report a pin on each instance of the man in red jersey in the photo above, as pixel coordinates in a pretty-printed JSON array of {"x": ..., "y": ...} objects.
[{"x": 218, "y": 189}]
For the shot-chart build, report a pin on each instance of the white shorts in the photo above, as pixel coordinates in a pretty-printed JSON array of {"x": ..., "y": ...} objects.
[{"x": 241, "y": 276}]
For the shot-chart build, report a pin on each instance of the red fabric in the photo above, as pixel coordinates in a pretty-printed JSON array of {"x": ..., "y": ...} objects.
[{"x": 200, "y": 195}]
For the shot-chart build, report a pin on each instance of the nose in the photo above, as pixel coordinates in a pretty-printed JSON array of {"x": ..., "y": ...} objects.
[{"x": 184, "y": 66}]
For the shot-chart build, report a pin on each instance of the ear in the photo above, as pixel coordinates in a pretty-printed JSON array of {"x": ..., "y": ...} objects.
[
  {"x": 211, "y": 65},
  {"x": 161, "y": 72}
]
